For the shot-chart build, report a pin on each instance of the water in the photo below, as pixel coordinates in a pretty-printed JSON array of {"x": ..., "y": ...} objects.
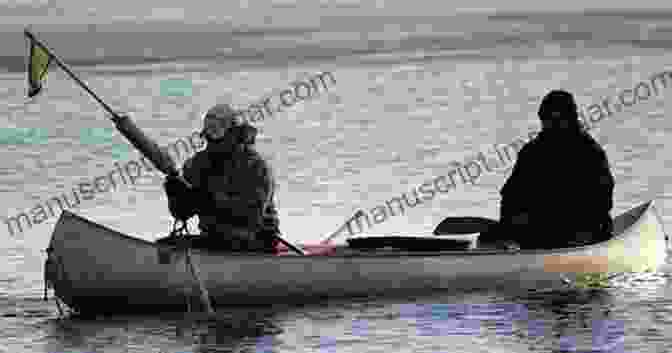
[{"x": 412, "y": 93}]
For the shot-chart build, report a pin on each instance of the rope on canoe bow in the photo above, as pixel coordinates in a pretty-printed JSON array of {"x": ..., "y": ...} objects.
[{"x": 182, "y": 231}]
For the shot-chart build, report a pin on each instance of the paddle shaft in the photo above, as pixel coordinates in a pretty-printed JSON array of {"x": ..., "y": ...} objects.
[{"x": 203, "y": 291}]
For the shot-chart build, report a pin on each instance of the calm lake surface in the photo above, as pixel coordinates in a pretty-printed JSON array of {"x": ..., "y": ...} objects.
[{"x": 412, "y": 94}]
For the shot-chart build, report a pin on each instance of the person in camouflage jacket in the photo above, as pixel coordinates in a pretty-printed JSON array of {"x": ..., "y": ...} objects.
[{"x": 232, "y": 187}]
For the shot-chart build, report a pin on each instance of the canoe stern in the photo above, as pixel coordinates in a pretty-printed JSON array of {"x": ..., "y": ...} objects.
[{"x": 640, "y": 245}]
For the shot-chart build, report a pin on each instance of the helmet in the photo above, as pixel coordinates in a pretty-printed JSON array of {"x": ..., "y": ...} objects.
[
  {"x": 222, "y": 118},
  {"x": 218, "y": 120}
]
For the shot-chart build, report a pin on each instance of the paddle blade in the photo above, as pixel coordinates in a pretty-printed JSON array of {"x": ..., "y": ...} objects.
[{"x": 464, "y": 225}]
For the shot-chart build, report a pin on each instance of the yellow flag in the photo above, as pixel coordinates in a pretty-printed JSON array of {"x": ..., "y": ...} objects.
[{"x": 38, "y": 63}]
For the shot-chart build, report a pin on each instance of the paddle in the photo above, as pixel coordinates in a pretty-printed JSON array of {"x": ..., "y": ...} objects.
[
  {"x": 464, "y": 225},
  {"x": 449, "y": 226}
]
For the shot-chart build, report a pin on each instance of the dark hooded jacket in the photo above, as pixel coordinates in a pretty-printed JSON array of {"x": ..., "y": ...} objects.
[
  {"x": 562, "y": 180},
  {"x": 233, "y": 189}
]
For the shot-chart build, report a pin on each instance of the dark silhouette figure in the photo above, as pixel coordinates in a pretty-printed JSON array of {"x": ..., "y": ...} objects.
[
  {"x": 560, "y": 191},
  {"x": 233, "y": 187}
]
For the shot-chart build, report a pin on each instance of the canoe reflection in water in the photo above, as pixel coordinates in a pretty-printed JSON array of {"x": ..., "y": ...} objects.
[{"x": 507, "y": 319}]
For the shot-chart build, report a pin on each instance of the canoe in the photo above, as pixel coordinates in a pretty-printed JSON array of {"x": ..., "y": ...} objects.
[{"x": 94, "y": 269}]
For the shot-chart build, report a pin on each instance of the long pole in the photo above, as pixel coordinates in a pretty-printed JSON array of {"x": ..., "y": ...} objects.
[
  {"x": 203, "y": 292},
  {"x": 134, "y": 134},
  {"x": 147, "y": 147}
]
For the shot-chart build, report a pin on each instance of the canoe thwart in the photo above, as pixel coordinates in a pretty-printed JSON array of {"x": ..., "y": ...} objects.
[{"x": 408, "y": 243}]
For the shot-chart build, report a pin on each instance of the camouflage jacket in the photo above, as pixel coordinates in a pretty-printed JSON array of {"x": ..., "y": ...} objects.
[{"x": 231, "y": 190}]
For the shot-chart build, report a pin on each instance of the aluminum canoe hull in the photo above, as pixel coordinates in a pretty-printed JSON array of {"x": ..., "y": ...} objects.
[{"x": 95, "y": 269}]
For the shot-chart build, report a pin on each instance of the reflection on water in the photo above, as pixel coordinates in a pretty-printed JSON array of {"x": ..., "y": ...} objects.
[
  {"x": 572, "y": 320},
  {"x": 628, "y": 316},
  {"x": 231, "y": 330}
]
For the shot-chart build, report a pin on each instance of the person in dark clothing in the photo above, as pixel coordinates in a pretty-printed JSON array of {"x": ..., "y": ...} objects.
[
  {"x": 560, "y": 191},
  {"x": 232, "y": 187}
]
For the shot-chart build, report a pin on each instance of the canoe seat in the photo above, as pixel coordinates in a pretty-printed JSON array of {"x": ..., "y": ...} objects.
[
  {"x": 196, "y": 241},
  {"x": 193, "y": 241}
]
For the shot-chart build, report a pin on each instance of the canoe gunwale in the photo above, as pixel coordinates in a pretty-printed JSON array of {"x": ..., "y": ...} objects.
[
  {"x": 630, "y": 219},
  {"x": 98, "y": 273}
]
